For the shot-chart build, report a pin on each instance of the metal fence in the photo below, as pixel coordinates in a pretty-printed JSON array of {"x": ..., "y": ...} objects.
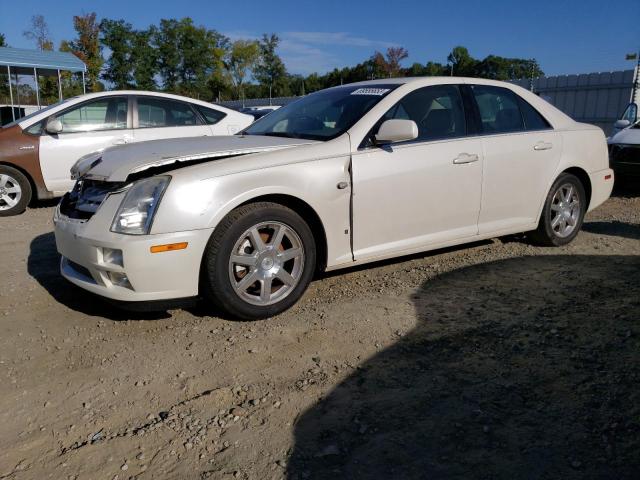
[
  {"x": 257, "y": 102},
  {"x": 597, "y": 98}
]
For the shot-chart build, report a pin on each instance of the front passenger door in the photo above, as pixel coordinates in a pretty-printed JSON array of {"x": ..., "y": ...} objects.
[
  {"x": 412, "y": 195},
  {"x": 86, "y": 128}
]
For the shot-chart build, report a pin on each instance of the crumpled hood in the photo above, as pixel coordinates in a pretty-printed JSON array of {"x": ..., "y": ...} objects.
[
  {"x": 115, "y": 164},
  {"x": 628, "y": 136}
]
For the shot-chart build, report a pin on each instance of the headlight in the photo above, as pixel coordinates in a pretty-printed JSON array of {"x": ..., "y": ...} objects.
[{"x": 135, "y": 215}]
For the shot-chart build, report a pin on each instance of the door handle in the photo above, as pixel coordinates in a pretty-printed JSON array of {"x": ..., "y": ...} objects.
[
  {"x": 122, "y": 141},
  {"x": 465, "y": 158},
  {"x": 543, "y": 146}
]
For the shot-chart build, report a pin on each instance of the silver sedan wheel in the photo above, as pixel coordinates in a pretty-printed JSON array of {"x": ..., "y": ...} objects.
[
  {"x": 266, "y": 263},
  {"x": 10, "y": 192},
  {"x": 565, "y": 210}
]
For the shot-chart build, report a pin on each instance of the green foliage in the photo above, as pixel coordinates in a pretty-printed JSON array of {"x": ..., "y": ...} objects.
[
  {"x": 144, "y": 58},
  {"x": 3, "y": 41},
  {"x": 241, "y": 58},
  {"x": 464, "y": 65},
  {"x": 271, "y": 71},
  {"x": 180, "y": 57},
  {"x": 117, "y": 36},
  {"x": 188, "y": 55}
]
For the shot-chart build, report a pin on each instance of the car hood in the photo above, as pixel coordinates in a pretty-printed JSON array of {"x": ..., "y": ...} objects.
[
  {"x": 115, "y": 164},
  {"x": 628, "y": 136}
]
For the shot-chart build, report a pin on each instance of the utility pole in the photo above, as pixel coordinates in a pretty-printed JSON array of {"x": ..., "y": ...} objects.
[{"x": 636, "y": 81}]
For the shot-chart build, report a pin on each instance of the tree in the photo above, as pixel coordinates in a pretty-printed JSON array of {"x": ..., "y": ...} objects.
[
  {"x": 188, "y": 55},
  {"x": 500, "y": 68},
  {"x": 240, "y": 60},
  {"x": 167, "y": 40},
  {"x": 462, "y": 63},
  {"x": 144, "y": 58},
  {"x": 3, "y": 42},
  {"x": 271, "y": 71},
  {"x": 117, "y": 35},
  {"x": 394, "y": 56},
  {"x": 390, "y": 64},
  {"x": 87, "y": 48},
  {"x": 39, "y": 33}
]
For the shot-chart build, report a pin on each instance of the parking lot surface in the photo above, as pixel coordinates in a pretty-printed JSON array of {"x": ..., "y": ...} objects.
[{"x": 495, "y": 360}]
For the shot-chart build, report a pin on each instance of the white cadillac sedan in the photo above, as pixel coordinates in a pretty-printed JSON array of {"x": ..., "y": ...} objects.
[{"x": 341, "y": 177}]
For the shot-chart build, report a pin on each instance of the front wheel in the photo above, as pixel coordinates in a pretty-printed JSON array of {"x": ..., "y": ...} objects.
[
  {"x": 562, "y": 214},
  {"x": 259, "y": 261}
]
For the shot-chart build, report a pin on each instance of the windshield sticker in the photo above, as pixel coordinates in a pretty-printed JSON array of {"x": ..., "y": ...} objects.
[{"x": 370, "y": 91}]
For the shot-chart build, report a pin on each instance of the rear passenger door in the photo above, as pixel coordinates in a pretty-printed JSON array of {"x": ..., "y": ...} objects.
[
  {"x": 157, "y": 118},
  {"x": 521, "y": 154}
]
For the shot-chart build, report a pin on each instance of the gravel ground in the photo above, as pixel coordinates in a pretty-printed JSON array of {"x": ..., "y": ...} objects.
[{"x": 496, "y": 360}]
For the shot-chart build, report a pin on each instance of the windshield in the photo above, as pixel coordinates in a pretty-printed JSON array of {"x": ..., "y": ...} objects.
[
  {"x": 323, "y": 115},
  {"x": 37, "y": 112}
]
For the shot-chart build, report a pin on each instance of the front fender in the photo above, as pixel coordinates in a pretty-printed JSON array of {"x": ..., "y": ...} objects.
[{"x": 193, "y": 203}]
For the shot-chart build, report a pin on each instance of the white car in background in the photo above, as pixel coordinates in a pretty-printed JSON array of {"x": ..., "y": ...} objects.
[
  {"x": 341, "y": 177},
  {"x": 624, "y": 145},
  {"x": 37, "y": 151}
]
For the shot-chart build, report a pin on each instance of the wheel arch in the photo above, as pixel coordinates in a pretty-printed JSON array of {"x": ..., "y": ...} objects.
[
  {"x": 583, "y": 176},
  {"x": 308, "y": 214}
]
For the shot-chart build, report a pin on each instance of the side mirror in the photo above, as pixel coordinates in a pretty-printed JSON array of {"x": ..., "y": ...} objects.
[
  {"x": 392, "y": 131},
  {"x": 54, "y": 126},
  {"x": 622, "y": 123}
]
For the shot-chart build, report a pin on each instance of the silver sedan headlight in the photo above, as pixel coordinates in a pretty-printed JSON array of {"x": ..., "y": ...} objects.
[{"x": 135, "y": 215}]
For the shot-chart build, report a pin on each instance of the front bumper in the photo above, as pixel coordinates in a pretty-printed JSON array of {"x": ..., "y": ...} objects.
[
  {"x": 625, "y": 159},
  {"x": 149, "y": 276}
]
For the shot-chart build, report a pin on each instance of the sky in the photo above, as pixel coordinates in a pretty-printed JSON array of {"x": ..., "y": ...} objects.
[{"x": 565, "y": 36}]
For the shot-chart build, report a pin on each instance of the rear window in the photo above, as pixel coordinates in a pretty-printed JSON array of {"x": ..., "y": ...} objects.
[
  {"x": 499, "y": 110},
  {"x": 533, "y": 120},
  {"x": 210, "y": 115},
  {"x": 164, "y": 112}
]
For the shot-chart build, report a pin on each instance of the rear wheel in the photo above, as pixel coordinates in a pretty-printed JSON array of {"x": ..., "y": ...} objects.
[
  {"x": 15, "y": 191},
  {"x": 259, "y": 261},
  {"x": 563, "y": 212}
]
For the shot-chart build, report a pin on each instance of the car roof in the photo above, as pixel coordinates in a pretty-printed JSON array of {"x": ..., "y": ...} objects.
[{"x": 111, "y": 93}]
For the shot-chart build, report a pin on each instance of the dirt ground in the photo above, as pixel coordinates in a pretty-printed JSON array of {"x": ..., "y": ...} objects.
[{"x": 495, "y": 360}]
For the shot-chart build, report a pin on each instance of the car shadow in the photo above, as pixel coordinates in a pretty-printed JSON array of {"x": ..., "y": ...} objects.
[
  {"x": 613, "y": 228},
  {"x": 626, "y": 188},
  {"x": 520, "y": 368},
  {"x": 43, "y": 265}
]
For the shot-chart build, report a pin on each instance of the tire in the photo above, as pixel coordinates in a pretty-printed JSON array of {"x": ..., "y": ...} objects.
[
  {"x": 562, "y": 214},
  {"x": 274, "y": 252},
  {"x": 15, "y": 191}
]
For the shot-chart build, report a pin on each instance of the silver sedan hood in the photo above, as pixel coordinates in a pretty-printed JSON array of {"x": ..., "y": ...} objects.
[
  {"x": 115, "y": 164},
  {"x": 627, "y": 136}
]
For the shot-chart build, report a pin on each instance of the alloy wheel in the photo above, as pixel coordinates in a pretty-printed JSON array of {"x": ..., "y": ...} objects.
[
  {"x": 266, "y": 263},
  {"x": 565, "y": 210},
  {"x": 10, "y": 192}
]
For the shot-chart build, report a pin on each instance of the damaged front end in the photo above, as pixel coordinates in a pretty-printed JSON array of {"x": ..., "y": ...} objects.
[{"x": 87, "y": 195}]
